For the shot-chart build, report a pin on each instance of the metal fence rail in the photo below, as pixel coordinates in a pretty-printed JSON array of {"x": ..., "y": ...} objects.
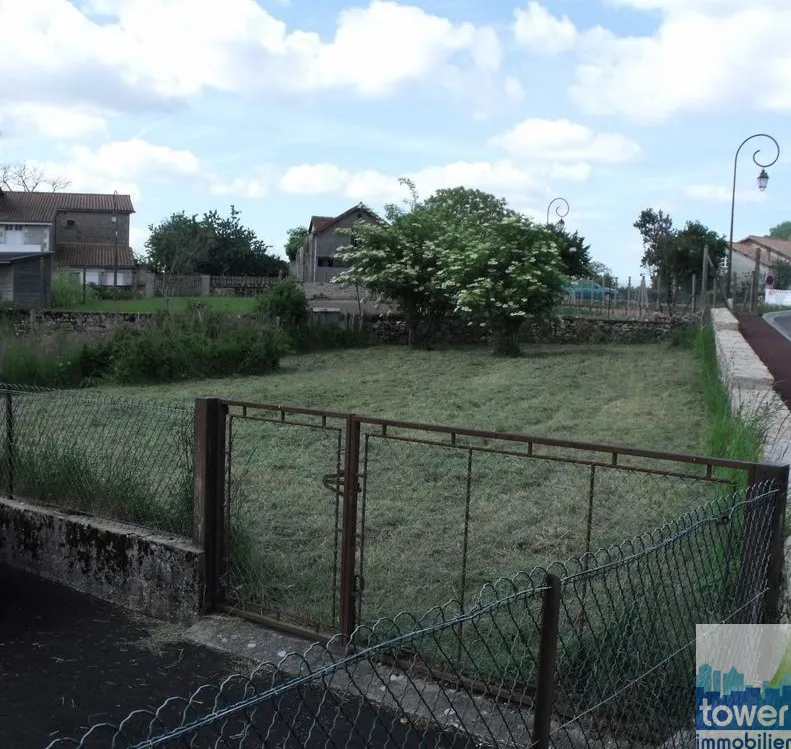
[
  {"x": 329, "y": 517},
  {"x": 118, "y": 458},
  {"x": 594, "y": 652}
]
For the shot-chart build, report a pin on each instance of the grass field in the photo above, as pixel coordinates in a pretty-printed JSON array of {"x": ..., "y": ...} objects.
[{"x": 522, "y": 512}]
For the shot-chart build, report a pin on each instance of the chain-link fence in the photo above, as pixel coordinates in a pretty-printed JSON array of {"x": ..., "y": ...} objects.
[
  {"x": 118, "y": 458},
  {"x": 594, "y": 652}
]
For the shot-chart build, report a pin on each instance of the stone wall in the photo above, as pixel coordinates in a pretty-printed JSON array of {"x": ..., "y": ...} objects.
[
  {"x": 156, "y": 575},
  {"x": 566, "y": 330}
]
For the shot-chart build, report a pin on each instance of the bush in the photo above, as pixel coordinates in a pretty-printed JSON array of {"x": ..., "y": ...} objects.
[
  {"x": 34, "y": 360},
  {"x": 285, "y": 304},
  {"x": 67, "y": 291},
  {"x": 181, "y": 347}
]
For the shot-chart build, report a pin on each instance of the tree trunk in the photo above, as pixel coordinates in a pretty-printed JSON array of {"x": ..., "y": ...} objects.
[{"x": 505, "y": 337}]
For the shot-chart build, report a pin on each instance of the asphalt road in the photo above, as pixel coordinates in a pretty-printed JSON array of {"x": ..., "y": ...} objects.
[
  {"x": 69, "y": 661},
  {"x": 781, "y": 322}
]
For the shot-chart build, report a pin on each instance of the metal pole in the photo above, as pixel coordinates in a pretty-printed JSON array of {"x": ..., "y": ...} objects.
[
  {"x": 115, "y": 223},
  {"x": 704, "y": 280},
  {"x": 733, "y": 197},
  {"x": 561, "y": 216},
  {"x": 547, "y": 657}
]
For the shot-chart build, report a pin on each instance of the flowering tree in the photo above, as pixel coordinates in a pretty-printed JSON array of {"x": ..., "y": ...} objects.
[
  {"x": 509, "y": 270},
  {"x": 401, "y": 261},
  {"x": 460, "y": 250}
]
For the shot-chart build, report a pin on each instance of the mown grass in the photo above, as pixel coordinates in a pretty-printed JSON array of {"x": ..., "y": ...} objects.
[{"x": 522, "y": 511}]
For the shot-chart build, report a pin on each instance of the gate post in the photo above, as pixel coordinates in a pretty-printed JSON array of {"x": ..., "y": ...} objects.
[
  {"x": 208, "y": 493},
  {"x": 348, "y": 582},
  {"x": 762, "y": 542},
  {"x": 779, "y": 476}
]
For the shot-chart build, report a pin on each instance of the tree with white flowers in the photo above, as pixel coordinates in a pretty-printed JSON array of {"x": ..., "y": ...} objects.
[{"x": 460, "y": 251}]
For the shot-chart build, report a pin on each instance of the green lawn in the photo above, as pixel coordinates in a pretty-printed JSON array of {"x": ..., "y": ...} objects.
[
  {"x": 220, "y": 303},
  {"x": 522, "y": 511}
]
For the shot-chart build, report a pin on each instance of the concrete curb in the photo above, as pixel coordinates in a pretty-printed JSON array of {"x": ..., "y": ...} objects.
[{"x": 771, "y": 318}]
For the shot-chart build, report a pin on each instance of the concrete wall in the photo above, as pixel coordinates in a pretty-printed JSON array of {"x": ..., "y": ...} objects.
[
  {"x": 91, "y": 228},
  {"x": 155, "y": 575}
]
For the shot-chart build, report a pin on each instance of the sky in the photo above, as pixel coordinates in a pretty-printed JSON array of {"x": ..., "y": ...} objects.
[{"x": 292, "y": 108}]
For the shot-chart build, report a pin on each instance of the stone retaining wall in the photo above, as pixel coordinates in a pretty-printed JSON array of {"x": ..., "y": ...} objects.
[
  {"x": 153, "y": 574},
  {"x": 392, "y": 328}
]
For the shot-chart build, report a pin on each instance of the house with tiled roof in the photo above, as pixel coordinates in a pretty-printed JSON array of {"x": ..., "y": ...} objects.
[
  {"x": 86, "y": 234},
  {"x": 316, "y": 261},
  {"x": 768, "y": 251}
]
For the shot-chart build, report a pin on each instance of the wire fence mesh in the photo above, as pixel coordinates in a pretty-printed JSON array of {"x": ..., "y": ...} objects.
[
  {"x": 117, "y": 458},
  {"x": 623, "y": 674}
]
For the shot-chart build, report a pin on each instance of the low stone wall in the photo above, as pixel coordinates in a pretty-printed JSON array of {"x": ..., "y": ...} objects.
[
  {"x": 392, "y": 328},
  {"x": 566, "y": 330},
  {"x": 156, "y": 575}
]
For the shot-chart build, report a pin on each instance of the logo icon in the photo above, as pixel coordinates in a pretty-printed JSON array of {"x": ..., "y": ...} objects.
[{"x": 743, "y": 686}]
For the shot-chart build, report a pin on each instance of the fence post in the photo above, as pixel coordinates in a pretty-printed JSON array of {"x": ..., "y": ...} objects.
[
  {"x": 547, "y": 658},
  {"x": 348, "y": 581},
  {"x": 208, "y": 493},
  {"x": 779, "y": 476},
  {"x": 10, "y": 447}
]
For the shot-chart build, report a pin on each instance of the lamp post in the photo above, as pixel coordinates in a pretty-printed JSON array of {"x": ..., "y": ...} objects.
[
  {"x": 763, "y": 181},
  {"x": 560, "y": 224},
  {"x": 115, "y": 225}
]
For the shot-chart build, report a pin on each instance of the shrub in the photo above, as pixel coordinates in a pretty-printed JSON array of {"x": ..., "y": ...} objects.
[
  {"x": 46, "y": 362},
  {"x": 181, "y": 347},
  {"x": 285, "y": 303},
  {"x": 67, "y": 291}
]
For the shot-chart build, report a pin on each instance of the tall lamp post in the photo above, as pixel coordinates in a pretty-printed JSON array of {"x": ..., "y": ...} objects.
[
  {"x": 115, "y": 226},
  {"x": 560, "y": 224},
  {"x": 763, "y": 181}
]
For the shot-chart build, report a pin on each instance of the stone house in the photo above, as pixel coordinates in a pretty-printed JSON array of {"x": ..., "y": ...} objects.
[
  {"x": 772, "y": 251},
  {"x": 85, "y": 234},
  {"x": 316, "y": 261}
]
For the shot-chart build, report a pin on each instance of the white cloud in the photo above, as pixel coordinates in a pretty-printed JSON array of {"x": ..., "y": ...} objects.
[
  {"x": 562, "y": 140},
  {"x": 500, "y": 177},
  {"x": 721, "y": 194},
  {"x": 540, "y": 31},
  {"x": 30, "y": 118},
  {"x": 124, "y": 165},
  {"x": 705, "y": 55},
  {"x": 131, "y": 55}
]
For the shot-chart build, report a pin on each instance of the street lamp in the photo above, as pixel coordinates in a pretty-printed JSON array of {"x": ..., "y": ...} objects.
[
  {"x": 763, "y": 181},
  {"x": 560, "y": 224}
]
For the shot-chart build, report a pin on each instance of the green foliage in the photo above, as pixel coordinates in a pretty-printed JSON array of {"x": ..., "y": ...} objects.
[
  {"x": 46, "y": 362},
  {"x": 213, "y": 245},
  {"x": 183, "y": 347},
  {"x": 782, "y": 275},
  {"x": 673, "y": 256},
  {"x": 574, "y": 253},
  {"x": 285, "y": 304},
  {"x": 67, "y": 291},
  {"x": 459, "y": 250},
  {"x": 781, "y": 231},
  {"x": 296, "y": 238}
]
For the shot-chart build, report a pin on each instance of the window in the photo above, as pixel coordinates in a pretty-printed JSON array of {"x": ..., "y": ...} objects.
[
  {"x": 325, "y": 262},
  {"x": 13, "y": 227},
  {"x": 70, "y": 222}
]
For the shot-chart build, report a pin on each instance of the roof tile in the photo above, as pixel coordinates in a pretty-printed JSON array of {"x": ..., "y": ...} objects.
[
  {"x": 41, "y": 207},
  {"x": 77, "y": 255}
]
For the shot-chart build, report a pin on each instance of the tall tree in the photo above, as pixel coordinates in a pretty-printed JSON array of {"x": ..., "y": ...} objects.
[
  {"x": 781, "y": 231},
  {"x": 214, "y": 245},
  {"x": 574, "y": 252},
  {"x": 296, "y": 238},
  {"x": 656, "y": 230}
]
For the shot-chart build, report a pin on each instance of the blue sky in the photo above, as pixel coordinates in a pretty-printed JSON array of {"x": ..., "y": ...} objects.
[{"x": 292, "y": 108}]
